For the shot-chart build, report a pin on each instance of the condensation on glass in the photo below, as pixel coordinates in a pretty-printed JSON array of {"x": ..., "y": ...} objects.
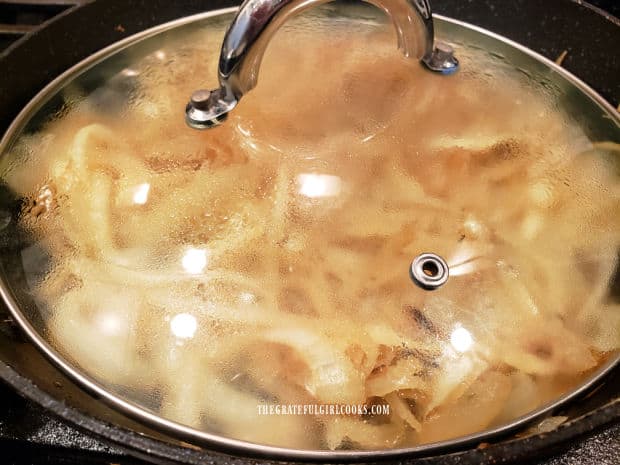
[{"x": 210, "y": 277}]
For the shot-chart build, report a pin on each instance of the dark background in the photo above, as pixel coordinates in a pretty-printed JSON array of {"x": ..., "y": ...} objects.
[{"x": 612, "y": 6}]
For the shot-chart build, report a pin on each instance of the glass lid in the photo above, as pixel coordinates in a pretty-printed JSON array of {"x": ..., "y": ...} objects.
[{"x": 364, "y": 256}]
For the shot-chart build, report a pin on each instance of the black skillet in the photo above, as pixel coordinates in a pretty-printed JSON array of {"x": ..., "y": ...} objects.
[{"x": 591, "y": 39}]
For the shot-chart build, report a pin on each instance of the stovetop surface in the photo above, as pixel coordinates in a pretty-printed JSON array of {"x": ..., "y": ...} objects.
[{"x": 30, "y": 435}]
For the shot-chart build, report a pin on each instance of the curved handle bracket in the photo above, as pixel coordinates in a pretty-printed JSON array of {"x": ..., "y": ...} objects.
[{"x": 256, "y": 23}]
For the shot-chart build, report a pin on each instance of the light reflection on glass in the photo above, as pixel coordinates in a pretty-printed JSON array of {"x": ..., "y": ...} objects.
[
  {"x": 473, "y": 227},
  {"x": 141, "y": 194},
  {"x": 184, "y": 326},
  {"x": 461, "y": 339},
  {"x": 244, "y": 131},
  {"x": 247, "y": 297},
  {"x": 464, "y": 268},
  {"x": 319, "y": 185},
  {"x": 463, "y": 261},
  {"x": 252, "y": 145},
  {"x": 128, "y": 72},
  {"x": 194, "y": 260},
  {"x": 110, "y": 323},
  {"x": 469, "y": 258}
]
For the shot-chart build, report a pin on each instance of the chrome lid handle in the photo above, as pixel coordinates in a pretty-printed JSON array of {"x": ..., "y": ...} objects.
[{"x": 258, "y": 20}]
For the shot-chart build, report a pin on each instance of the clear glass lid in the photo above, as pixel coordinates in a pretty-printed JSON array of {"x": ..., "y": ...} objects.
[{"x": 257, "y": 282}]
